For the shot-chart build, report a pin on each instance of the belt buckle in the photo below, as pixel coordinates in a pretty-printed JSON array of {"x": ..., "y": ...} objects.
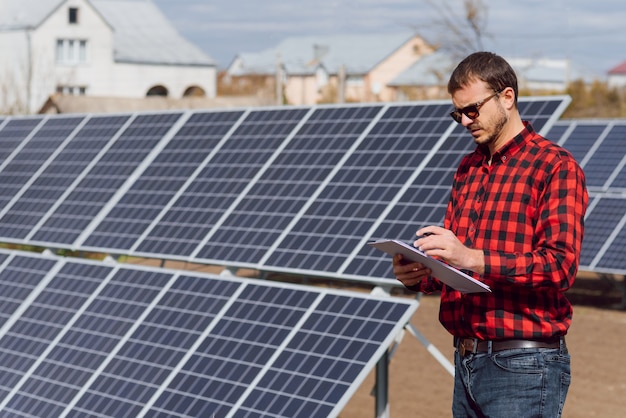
[{"x": 467, "y": 345}]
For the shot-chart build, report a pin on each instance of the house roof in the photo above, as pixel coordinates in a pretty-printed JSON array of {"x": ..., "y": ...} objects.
[
  {"x": 25, "y": 14},
  {"x": 142, "y": 34},
  {"x": 620, "y": 69},
  {"x": 359, "y": 53},
  {"x": 435, "y": 69},
  {"x": 430, "y": 70}
]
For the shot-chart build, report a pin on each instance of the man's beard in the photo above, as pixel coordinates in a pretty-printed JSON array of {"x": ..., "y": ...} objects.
[{"x": 498, "y": 124}]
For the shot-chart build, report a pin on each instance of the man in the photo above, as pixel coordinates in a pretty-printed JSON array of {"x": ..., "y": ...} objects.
[{"x": 515, "y": 220}]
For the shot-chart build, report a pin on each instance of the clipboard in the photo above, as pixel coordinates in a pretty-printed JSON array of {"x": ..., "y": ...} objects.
[{"x": 441, "y": 271}]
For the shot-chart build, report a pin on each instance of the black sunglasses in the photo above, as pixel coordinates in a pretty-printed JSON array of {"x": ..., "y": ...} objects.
[{"x": 471, "y": 111}]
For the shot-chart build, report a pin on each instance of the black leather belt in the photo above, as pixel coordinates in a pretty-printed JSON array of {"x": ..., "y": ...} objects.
[{"x": 473, "y": 345}]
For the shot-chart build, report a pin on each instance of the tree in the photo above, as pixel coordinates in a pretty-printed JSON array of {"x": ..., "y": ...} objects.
[{"x": 464, "y": 30}]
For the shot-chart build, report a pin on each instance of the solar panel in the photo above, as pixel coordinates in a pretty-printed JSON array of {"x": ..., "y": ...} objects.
[
  {"x": 105, "y": 180},
  {"x": 170, "y": 171},
  {"x": 27, "y": 209},
  {"x": 580, "y": 137},
  {"x": 599, "y": 147},
  {"x": 13, "y": 136},
  {"x": 120, "y": 340},
  {"x": 41, "y": 143},
  {"x": 360, "y": 191},
  {"x": 284, "y": 188},
  {"x": 612, "y": 258},
  {"x": 281, "y": 189},
  {"x": 250, "y": 149},
  {"x": 601, "y": 166},
  {"x": 422, "y": 203}
]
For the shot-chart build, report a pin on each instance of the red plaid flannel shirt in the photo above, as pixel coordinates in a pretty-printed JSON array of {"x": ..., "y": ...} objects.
[{"x": 526, "y": 212}]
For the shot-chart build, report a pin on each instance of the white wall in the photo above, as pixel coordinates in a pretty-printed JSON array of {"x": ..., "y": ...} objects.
[
  {"x": 14, "y": 65},
  {"x": 99, "y": 74},
  {"x": 96, "y": 74},
  {"x": 616, "y": 80},
  {"x": 134, "y": 80}
]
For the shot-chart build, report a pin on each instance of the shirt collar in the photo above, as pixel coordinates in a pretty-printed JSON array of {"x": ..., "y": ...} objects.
[{"x": 510, "y": 148}]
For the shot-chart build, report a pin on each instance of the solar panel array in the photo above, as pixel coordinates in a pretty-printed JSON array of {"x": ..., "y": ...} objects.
[
  {"x": 81, "y": 338},
  {"x": 290, "y": 189},
  {"x": 294, "y": 189},
  {"x": 600, "y": 147}
]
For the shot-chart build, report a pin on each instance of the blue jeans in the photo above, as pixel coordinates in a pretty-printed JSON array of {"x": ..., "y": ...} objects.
[{"x": 511, "y": 383}]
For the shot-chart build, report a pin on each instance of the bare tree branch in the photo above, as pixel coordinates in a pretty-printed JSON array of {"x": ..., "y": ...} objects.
[{"x": 464, "y": 25}]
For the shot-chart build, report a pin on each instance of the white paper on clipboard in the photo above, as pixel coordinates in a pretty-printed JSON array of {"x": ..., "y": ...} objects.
[{"x": 442, "y": 271}]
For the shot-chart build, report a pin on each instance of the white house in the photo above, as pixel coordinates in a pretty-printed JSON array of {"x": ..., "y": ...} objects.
[
  {"x": 617, "y": 76},
  {"x": 106, "y": 48}
]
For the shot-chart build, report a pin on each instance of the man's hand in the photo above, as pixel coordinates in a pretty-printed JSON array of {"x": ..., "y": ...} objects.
[
  {"x": 409, "y": 273},
  {"x": 441, "y": 243}
]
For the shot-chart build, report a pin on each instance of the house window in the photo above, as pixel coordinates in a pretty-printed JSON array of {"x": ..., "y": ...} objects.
[
  {"x": 72, "y": 90},
  {"x": 73, "y": 15},
  {"x": 71, "y": 51}
]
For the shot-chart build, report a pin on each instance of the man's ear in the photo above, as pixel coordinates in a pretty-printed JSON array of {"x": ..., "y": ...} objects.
[{"x": 507, "y": 96}]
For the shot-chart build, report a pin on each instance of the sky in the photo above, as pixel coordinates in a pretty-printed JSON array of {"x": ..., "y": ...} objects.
[{"x": 590, "y": 33}]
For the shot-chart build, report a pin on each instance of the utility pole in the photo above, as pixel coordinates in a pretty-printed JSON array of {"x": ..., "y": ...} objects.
[
  {"x": 279, "y": 80},
  {"x": 341, "y": 84}
]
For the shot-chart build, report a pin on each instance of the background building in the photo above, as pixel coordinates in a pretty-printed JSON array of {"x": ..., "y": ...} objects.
[
  {"x": 337, "y": 68},
  {"x": 104, "y": 48}
]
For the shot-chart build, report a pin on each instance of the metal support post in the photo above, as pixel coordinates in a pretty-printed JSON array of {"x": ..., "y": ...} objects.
[{"x": 382, "y": 386}]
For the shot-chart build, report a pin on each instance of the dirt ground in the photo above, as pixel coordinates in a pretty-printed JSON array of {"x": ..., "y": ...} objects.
[{"x": 420, "y": 387}]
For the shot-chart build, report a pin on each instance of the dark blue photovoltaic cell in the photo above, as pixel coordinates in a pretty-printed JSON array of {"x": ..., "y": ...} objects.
[
  {"x": 81, "y": 206},
  {"x": 40, "y": 324},
  {"x": 582, "y": 138},
  {"x": 220, "y": 183},
  {"x": 361, "y": 190},
  {"x": 557, "y": 131},
  {"x": 282, "y": 191},
  {"x": 620, "y": 179},
  {"x": 13, "y": 133},
  {"x": 156, "y": 347},
  {"x": 538, "y": 112},
  {"x": 18, "y": 220},
  {"x": 424, "y": 203},
  {"x": 167, "y": 174},
  {"x": 18, "y": 278},
  {"x": 323, "y": 359},
  {"x": 238, "y": 348},
  {"x": 34, "y": 153},
  {"x": 94, "y": 334},
  {"x": 606, "y": 157},
  {"x": 615, "y": 256},
  {"x": 600, "y": 222}
]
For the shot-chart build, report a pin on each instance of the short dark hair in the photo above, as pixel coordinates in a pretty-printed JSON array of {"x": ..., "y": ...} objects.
[{"x": 485, "y": 66}]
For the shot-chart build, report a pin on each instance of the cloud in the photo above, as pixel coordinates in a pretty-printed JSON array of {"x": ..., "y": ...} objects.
[{"x": 576, "y": 29}]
